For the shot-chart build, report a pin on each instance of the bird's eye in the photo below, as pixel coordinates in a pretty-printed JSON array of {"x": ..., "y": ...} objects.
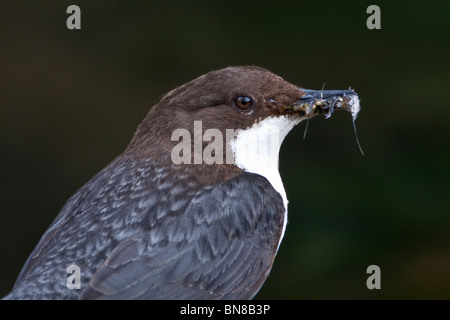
[{"x": 243, "y": 102}]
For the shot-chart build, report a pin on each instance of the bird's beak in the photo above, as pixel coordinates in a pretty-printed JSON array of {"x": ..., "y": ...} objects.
[{"x": 326, "y": 102}]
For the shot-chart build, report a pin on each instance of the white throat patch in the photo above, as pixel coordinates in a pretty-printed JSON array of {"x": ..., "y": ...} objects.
[{"x": 257, "y": 149}]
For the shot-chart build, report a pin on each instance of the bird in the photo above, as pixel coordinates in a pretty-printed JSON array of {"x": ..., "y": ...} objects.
[{"x": 194, "y": 208}]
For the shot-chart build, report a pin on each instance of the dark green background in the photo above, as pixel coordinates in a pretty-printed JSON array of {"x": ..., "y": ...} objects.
[{"x": 71, "y": 100}]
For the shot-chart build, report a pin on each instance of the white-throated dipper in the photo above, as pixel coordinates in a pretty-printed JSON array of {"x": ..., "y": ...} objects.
[{"x": 194, "y": 208}]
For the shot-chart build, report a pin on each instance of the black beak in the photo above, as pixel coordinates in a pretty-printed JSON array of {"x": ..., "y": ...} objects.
[{"x": 327, "y": 101}]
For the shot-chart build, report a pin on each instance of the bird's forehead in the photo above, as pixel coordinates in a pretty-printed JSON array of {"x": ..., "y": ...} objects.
[
  {"x": 222, "y": 86},
  {"x": 257, "y": 79},
  {"x": 259, "y": 82}
]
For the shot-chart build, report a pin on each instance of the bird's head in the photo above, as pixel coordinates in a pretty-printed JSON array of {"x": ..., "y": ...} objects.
[{"x": 252, "y": 108}]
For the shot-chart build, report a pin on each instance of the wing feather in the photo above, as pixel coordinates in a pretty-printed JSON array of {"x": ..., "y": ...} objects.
[
  {"x": 223, "y": 248},
  {"x": 136, "y": 238}
]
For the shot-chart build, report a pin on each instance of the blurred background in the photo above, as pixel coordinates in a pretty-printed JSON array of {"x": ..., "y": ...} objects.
[{"x": 70, "y": 101}]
